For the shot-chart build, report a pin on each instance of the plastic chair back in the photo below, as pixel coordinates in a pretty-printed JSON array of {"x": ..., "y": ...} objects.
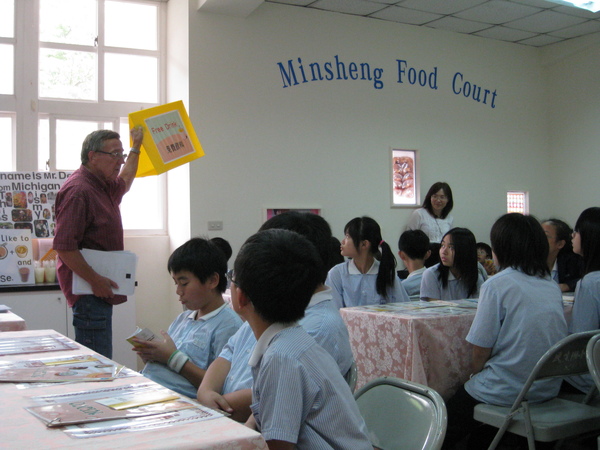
[{"x": 400, "y": 414}]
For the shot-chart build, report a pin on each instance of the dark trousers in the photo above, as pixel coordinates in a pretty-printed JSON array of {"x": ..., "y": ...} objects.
[{"x": 92, "y": 320}]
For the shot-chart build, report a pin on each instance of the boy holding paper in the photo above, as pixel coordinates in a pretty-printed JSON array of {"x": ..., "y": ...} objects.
[{"x": 197, "y": 335}]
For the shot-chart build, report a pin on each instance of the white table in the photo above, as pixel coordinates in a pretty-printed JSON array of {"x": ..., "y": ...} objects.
[{"x": 21, "y": 430}]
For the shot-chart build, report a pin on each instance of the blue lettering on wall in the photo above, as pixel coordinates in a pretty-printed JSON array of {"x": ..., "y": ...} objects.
[
  {"x": 469, "y": 90},
  {"x": 414, "y": 76},
  {"x": 294, "y": 73}
]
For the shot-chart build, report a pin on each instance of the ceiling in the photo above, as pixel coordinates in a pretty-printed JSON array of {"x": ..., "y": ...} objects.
[{"x": 529, "y": 22}]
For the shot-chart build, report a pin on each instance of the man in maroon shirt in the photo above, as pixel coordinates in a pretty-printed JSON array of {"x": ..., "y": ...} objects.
[{"x": 88, "y": 216}]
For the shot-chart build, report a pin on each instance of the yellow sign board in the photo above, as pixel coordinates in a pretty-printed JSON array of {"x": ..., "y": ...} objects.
[{"x": 169, "y": 138}]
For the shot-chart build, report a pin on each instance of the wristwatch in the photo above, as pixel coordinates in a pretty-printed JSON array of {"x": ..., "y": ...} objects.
[{"x": 134, "y": 150}]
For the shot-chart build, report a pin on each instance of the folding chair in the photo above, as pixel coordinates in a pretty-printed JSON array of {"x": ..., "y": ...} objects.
[
  {"x": 401, "y": 414},
  {"x": 351, "y": 376},
  {"x": 554, "y": 419},
  {"x": 592, "y": 355}
]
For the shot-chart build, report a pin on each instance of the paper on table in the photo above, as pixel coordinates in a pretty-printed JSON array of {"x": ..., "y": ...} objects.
[{"x": 119, "y": 266}]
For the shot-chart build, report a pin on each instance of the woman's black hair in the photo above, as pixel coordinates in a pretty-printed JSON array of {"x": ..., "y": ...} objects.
[
  {"x": 435, "y": 187},
  {"x": 465, "y": 260},
  {"x": 588, "y": 227},
  {"x": 519, "y": 241},
  {"x": 366, "y": 229}
]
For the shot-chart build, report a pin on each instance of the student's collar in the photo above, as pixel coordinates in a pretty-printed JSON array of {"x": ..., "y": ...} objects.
[
  {"x": 416, "y": 272},
  {"x": 263, "y": 342},
  {"x": 353, "y": 270},
  {"x": 320, "y": 296},
  {"x": 192, "y": 314}
]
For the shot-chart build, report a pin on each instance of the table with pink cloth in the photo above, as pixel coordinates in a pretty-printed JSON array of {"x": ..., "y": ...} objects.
[
  {"x": 9, "y": 321},
  {"x": 20, "y": 429},
  {"x": 418, "y": 341}
]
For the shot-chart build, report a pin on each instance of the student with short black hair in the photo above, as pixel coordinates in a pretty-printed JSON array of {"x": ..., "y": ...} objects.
[
  {"x": 413, "y": 249},
  {"x": 519, "y": 317},
  {"x": 300, "y": 399},
  {"x": 228, "y": 380},
  {"x": 369, "y": 277},
  {"x": 196, "y": 336}
]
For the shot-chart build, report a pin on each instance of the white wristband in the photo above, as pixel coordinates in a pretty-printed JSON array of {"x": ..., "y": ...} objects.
[{"x": 177, "y": 360}]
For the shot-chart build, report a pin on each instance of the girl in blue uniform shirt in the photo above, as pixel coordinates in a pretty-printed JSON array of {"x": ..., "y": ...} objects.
[
  {"x": 586, "y": 309},
  {"x": 458, "y": 275},
  {"x": 370, "y": 276},
  {"x": 519, "y": 317}
]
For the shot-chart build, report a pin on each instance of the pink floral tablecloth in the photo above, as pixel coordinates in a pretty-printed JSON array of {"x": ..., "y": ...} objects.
[
  {"x": 11, "y": 322},
  {"x": 22, "y": 430},
  {"x": 426, "y": 346}
]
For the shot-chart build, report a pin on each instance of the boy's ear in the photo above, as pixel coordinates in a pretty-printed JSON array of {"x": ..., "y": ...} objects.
[
  {"x": 213, "y": 280},
  {"x": 427, "y": 255},
  {"x": 243, "y": 299},
  {"x": 402, "y": 255}
]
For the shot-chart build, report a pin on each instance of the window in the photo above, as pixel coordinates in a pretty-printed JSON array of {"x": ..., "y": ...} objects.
[
  {"x": 79, "y": 66},
  {"x": 517, "y": 202}
]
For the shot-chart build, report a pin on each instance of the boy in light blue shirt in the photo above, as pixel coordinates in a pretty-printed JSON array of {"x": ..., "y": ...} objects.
[
  {"x": 299, "y": 398},
  {"x": 197, "y": 335},
  {"x": 227, "y": 383}
]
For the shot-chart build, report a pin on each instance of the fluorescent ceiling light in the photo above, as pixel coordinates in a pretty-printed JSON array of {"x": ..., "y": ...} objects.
[{"x": 590, "y": 5}]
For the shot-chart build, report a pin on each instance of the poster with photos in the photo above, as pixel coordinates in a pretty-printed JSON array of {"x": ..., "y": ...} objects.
[{"x": 27, "y": 201}]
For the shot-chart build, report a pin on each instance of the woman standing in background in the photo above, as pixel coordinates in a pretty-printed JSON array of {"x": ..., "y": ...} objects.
[{"x": 434, "y": 216}]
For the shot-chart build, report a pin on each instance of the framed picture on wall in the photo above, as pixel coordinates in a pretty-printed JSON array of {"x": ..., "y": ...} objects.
[
  {"x": 270, "y": 212},
  {"x": 404, "y": 166}
]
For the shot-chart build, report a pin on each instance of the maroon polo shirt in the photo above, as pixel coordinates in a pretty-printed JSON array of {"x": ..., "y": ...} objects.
[{"x": 87, "y": 216}]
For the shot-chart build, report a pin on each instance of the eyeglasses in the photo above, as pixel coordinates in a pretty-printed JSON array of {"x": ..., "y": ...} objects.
[
  {"x": 114, "y": 155},
  {"x": 229, "y": 275}
]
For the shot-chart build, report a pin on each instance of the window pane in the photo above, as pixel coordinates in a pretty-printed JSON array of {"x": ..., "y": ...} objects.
[
  {"x": 7, "y": 18},
  {"x": 68, "y": 21},
  {"x": 131, "y": 78},
  {"x": 142, "y": 208},
  {"x": 121, "y": 31},
  {"x": 517, "y": 202},
  {"x": 6, "y": 144},
  {"x": 67, "y": 74},
  {"x": 6, "y": 74},
  {"x": 43, "y": 143},
  {"x": 69, "y": 137}
]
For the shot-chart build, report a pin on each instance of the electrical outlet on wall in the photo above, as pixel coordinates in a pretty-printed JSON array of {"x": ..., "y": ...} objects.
[{"x": 215, "y": 225}]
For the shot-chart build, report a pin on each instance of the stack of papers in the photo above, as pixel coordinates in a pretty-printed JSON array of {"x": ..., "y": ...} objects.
[{"x": 118, "y": 266}]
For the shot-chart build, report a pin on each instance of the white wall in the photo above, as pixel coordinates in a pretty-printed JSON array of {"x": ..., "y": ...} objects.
[
  {"x": 326, "y": 144},
  {"x": 573, "y": 72}
]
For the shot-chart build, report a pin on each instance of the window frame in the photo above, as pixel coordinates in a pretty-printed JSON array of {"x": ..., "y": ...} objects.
[{"x": 30, "y": 109}]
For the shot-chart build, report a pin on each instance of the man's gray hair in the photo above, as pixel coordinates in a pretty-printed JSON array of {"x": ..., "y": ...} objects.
[{"x": 95, "y": 141}]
